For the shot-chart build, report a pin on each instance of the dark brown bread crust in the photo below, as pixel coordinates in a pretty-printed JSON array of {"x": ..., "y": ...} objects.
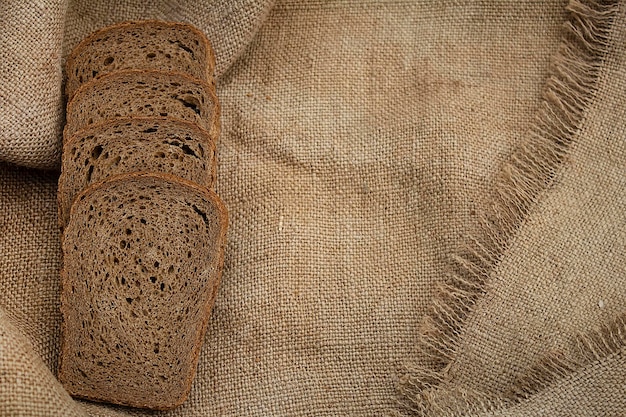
[
  {"x": 78, "y": 389},
  {"x": 72, "y": 171},
  {"x": 76, "y": 65},
  {"x": 206, "y": 114}
]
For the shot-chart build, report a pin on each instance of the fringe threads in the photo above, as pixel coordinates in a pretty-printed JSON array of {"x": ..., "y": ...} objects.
[
  {"x": 591, "y": 347},
  {"x": 530, "y": 170}
]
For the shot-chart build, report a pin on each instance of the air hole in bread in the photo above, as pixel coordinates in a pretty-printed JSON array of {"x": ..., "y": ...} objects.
[
  {"x": 188, "y": 151},
  {"x": 201, "y": 214},
  {"x": 109, "y": 60},
  {"x": 191, "y": 102},
  {"x": 89, "y": 173},
  {"x": 96, "y": 152},
  {"x": 183, "y": 47},
  {"x": 151, "y": 55}
]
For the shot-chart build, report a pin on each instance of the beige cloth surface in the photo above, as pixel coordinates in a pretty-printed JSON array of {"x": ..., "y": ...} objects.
[
  {"x": 363, "y": 145},
  {"x": 568, "y": 258}
]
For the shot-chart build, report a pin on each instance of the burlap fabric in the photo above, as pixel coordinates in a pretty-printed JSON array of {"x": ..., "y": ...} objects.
[{"x": 425, "y": 199}]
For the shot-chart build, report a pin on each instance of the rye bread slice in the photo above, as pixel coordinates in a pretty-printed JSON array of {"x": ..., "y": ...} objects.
[
  {"x": 149, "y": 44},
  {"x": 127, "y": 145},
  {"x": 144, "y": 94},
  {"x": 143, "y": 255}
]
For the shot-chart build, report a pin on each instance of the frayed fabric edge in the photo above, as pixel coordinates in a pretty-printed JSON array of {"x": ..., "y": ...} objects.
[
  {"x": 554, "y": 368},
  {"x": 591, "y": 347},
  {"x": 530, "y": 170}
]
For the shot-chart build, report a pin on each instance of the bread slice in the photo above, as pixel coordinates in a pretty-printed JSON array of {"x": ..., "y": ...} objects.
[
  {"x": 144, "y": 93},
  {"x": 143, "y": 255},
  {"x": 149, "y": 44},
  {"x": 127, "y": 145}
]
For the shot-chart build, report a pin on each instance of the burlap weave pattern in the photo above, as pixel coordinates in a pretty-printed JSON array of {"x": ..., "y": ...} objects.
[
  {"x": 567, "y": 258},
  {"x": 31, "y": 82},
  {"x": 494, "y": 334},
  {"x": 362, "y": 142}
]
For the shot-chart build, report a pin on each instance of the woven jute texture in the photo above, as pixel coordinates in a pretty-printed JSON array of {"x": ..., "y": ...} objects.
[
  {"x": 537, "y": 293},
  {"x": 425, "y": 198}
]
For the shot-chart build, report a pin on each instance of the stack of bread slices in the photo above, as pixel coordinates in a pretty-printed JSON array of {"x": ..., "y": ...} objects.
[{"x": 143, "y": 232}]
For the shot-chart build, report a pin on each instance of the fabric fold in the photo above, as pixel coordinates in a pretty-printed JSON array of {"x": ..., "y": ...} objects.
[
  {"x": 514, "y": 285},
  {"x": 31, "y": 99},
  {"x": 362, "y": 142},
  {"x": 27, "y": 387}
]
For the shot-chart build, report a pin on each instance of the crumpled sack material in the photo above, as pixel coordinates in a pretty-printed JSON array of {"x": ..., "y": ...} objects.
[{"x": 426, "y": 206}]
